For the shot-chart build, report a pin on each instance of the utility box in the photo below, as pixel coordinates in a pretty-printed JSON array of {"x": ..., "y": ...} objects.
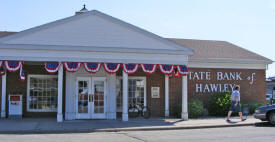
[{"x": 15, "y": 106}]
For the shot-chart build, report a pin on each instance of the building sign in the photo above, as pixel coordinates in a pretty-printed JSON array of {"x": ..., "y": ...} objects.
[
  {"x": 208, "y": 82},
  {"x": 155, "y": 92}
]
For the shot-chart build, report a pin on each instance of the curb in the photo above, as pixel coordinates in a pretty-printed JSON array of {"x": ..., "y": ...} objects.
[{"x": 121, "y": 129}]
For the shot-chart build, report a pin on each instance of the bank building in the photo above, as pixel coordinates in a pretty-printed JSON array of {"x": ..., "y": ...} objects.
[{"x": 93, "y": 66}]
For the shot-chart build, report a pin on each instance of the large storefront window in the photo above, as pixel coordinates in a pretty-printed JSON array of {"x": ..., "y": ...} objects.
[
  {"x": 42, "y": 93},
  {"x": 136, "y": 91}
]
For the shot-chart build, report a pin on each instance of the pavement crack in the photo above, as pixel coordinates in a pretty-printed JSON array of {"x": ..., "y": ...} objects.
[{"x": 134, "y": 137}]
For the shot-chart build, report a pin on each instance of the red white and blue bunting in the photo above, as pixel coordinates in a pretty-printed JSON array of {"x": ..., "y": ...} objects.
[
  {"x": 111, "y": 67},
  {"x": 22, "y": 75},
  {"x": 1, "y": 63},
  {"x": 149, "y": 68},
  {"x": 182, "y": 70},
  {"x": 13, "y": 66},
  {"x": 52, "y": 67},
  {"x": 92, "y": 67},
  {"x": 166, "y": 69},
  {"x": 130, "y": 68},
  {"x": 72, "y": 66},
  {"x": 2, "y": 71}
]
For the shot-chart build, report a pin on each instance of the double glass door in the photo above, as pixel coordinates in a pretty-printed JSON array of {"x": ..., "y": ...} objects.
[{"x": 91, "y": 98}]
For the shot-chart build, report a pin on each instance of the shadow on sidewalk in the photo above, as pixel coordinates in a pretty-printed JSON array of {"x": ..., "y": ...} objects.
[
  {"x": 264, "y": 124},
  {"x": 50, "y": 126}
]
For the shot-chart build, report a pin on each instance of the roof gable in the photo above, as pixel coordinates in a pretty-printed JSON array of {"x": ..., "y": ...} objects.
[{"x": 93, "y": 29}]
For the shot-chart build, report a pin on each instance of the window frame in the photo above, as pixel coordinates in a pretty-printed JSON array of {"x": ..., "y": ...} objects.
[
  {"x": 145, "y": 90},
  {"x": 28, "y": 92}
]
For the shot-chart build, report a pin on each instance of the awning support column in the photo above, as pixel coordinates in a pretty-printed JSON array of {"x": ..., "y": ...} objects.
[
  {"x": 125, "y": 97},
  {"x": 3, "y": 106},
  {"x": 166, "y": 96},
  {"x": 60, "y": 92},
  {"x": 184, "y": 113}
]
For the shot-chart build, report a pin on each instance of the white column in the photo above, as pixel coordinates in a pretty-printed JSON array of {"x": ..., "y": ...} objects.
[
  {"x": 184, "y": 113},
  {"x": 59, "y": 99},
  {"x": 166, "y": 96},
  {"x": 3, "y": 107},
  {"x": 125, "y": 97}
]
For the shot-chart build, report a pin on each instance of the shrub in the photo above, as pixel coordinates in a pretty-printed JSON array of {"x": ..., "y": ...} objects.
[
  {"x": 219, "y": 104},
  {"x": 252, "y": 106},
  {"x": 177, "y": 112},
  {"x": 195, "y": 109}
]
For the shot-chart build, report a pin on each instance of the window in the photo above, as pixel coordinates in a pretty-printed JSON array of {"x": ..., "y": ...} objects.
[
  {"x": 42, "y": 93},
  {"x": 136, "y": 91}
]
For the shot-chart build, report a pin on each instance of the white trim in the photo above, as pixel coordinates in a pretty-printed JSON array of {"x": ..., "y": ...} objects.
[
  {"x": 3, "y": 99},
  {"x": 166, "y": 96},
  {"x": 28, "y": 92},
  {"x": 100, "y": 115},
  {"x": 89, "y": 48},
  {"x": 125, "y": 97},
  {"x": 230, "y": 60},
  {"x": 145, "y": 86},
  {"x": 106, "y": 17},
  {"x": 59, "y": 116},
  {"x": 92, "y": 56},
  {"x": 89, "y": 85},
  {"x": 184, "y": 101},
  {"x": 235, "y": 65}
]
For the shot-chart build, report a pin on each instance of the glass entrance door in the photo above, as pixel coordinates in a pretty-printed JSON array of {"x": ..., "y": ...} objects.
[
  {"x": 83, "y": 88},
  {"x": 99, "y": 97},
  {"x": 91, "y": 97}
]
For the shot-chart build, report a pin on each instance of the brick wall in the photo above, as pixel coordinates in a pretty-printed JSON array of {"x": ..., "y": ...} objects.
[
  {"x": 255, "y": 92},
  {"x": 156, "y": 105},
  {"x": 14, "y": 85},
  {"x": 249, "y": 92}
]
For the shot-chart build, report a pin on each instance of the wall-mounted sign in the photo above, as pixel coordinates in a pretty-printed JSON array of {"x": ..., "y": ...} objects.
[
  {"x": 155, "y": 92},
  {"x": 218, "y": 81}
]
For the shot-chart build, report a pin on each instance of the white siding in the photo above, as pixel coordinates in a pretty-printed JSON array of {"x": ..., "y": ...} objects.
[
  {"x": 81, "y": 56},
  {"x": 90, "y": 30},
  {"x": 226, "y": 65}
]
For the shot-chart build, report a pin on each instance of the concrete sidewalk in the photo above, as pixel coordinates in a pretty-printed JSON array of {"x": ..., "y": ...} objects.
[{"x": 42, "y": 125}]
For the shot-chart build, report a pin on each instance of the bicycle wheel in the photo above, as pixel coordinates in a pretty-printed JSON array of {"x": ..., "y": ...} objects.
[
  {"x": 146, "y": 112},
  {"x": 133, "y": 112}
]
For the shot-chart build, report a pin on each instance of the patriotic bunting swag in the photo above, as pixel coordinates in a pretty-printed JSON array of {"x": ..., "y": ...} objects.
[
  {"x": 130, "y": 68},
  {"x": 52, "y": 67},
  {"x": 111, "y": 67},
  {"x": 1, "y": 63},
  {"x": 72, "y": 66},
  {"x": 13, "y": 66},
  {"x": 166, "y": 69},
  {"x": 149, "y": 68},
  {"x": 182, "y": 70},
  {"x": 2, "y": 71},
  {"x": 92, "y": 67},
  {"x": 22, "y": 75}
]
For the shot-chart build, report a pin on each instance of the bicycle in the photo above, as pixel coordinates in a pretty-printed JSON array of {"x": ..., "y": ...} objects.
[{"x": 136, "y": 110}]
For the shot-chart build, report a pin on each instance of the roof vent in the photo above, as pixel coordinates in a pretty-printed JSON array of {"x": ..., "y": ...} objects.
[{"x": 83, "y": 10}]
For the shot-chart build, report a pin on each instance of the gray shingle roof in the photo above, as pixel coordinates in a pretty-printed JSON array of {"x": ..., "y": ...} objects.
[
  {"x": 210, "y": 49},
  {"x": 215, "y": 50},
  {"x": 4, "y": 33}
]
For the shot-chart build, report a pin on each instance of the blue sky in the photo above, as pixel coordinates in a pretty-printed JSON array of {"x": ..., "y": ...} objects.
[{"x": 247, "y": 23}]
